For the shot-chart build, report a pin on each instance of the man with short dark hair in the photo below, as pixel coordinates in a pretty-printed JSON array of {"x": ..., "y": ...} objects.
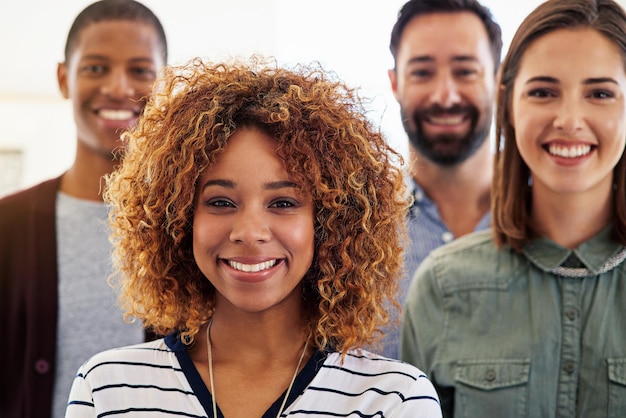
[
  {"x": 56, "y": 306},
  {"x": 446, "y": 56}
]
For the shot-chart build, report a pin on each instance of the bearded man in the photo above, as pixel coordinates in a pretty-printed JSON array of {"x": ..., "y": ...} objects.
[{"x": 446, "y": 55}]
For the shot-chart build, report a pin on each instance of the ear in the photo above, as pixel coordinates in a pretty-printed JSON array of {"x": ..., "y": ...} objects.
[
  {"x": 62, "y": 79},
  {"x": 393, "y": 79}
]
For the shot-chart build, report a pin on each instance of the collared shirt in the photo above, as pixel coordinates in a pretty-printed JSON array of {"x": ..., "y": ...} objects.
[
  {"x": 426, "y": 231},
  {"x": 540, "y": 333}
]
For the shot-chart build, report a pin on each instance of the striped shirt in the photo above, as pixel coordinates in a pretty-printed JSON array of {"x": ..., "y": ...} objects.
[{"x": 158, "y": 379}]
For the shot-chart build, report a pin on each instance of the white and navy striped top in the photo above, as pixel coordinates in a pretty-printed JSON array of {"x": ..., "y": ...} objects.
[{"x": 158, "y": 379}]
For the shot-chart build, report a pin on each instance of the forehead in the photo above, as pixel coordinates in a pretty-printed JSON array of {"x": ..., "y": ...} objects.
[
  {"x": 573, "y": 52},
  {"x": 443, "y": 36},
  {"x": 117, "y": 37},
  {"x": 251, "y": 144}
]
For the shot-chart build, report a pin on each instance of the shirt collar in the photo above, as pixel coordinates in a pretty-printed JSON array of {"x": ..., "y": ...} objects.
[
  {"x": 419, "y": 197},
  {"x": 593, "y": 253}
]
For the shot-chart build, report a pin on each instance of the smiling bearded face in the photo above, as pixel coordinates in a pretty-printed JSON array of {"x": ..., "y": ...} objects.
[{"x": 448, "y": 149}]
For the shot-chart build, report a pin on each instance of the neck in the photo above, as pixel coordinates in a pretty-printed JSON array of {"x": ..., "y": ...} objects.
[
  {"x": 241, "y": 375},
  {"x": 473, "y": 174},
  {"x": 269, "y": 335},
  {"x": 466, "y": 185},
  {"x": 84, "y": 179},
  {"x": 570, "y": 219}
]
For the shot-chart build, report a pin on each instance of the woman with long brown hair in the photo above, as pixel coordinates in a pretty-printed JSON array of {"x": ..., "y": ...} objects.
[{"x": 528, "y": 320}]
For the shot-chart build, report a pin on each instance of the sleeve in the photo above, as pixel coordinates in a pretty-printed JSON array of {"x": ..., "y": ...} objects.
[
  {"x": 80, "y": 403},
  {"x": 423, "y": 326},
  {"x": 421, "y": 401}
]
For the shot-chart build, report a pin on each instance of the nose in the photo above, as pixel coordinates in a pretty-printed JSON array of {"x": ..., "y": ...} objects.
[
  {"x": 569, "y": 116},
  {"x": 446, "y": 92},
  {"x": 251, "y": 227},
  {"x": 118, "y": 85}
]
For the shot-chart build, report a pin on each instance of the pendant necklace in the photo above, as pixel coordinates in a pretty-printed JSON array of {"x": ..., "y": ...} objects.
[{"x": 214, "y": 402}]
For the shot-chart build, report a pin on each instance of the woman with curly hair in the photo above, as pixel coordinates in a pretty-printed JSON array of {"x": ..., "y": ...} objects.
[{"x": 257, "y": 217}]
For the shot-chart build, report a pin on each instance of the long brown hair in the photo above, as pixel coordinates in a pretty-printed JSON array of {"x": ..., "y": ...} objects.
[{"x": 511, "y": 197}]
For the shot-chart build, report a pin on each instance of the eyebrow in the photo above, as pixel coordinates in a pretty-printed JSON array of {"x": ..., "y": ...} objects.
[
  {"x": 98, "y": 57},
  {"x": 273, "y": 185},
  {"x": 587, "y": 81},
  {"x": 430, "y": 58}
]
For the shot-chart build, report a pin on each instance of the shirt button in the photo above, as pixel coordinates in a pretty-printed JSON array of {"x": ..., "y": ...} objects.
[
  {"x": 42, "y": 366},
  {"x": 447, "y": 236},
  {"x": 571, "y": 314},
  {"x": 418, "y": 196},
  {"x": 569, "y": 367},
  {"x": 490, "y": 376}
]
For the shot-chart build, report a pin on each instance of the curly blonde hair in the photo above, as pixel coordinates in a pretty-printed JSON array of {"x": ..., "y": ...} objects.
[{"x": 331, "y": 151}]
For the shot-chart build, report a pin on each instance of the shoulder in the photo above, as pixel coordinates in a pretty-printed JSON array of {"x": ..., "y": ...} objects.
[
  {"x": 472, "y": 261},
  {"x": 41, "y": 196},
  {"x": 127, "y": 361},
  {"x": 45, "y": 188},
  {"x": 150, "y": 349},
  {"x": 365, "y": 379},
  {"x": 141, "y": 377},
  {"x": 481, "y": 241},
  {"x": 365, "y": 365},
  {"x": 359, "y": 360}
]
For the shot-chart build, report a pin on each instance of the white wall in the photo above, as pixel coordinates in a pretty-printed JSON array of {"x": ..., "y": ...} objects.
[{"x": 349, "y": 37}]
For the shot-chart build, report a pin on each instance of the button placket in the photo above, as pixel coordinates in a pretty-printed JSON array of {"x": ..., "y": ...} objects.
[{"x": 570, "y": 346}]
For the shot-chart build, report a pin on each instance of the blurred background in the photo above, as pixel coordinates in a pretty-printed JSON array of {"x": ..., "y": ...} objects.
[{"x": 349, "y": 37}]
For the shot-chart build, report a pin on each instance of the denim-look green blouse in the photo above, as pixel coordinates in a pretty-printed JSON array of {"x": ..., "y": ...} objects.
[{"x": 501, "y": 334}]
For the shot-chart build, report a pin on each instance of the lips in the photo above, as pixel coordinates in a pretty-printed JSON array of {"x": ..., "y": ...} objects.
[
  {"x": 252, "y": 268},
  {"x": 569, "y": 151},
  {"x": 117, "y": 114},
  {"x": 447, "y": 120}
]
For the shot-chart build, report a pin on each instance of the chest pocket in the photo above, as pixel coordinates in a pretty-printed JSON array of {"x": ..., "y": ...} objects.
[
  {"x": 491, "y": 388},
  {"x": 617, "y": 387}
]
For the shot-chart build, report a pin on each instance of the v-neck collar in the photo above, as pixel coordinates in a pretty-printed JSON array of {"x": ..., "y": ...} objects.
[{"x": 201, "y": 391}]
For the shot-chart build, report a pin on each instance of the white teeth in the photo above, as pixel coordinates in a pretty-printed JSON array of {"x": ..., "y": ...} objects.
[
  {"x": 450, "y": 120},
  {"x": 251, "y": 267},
  {"x": 569, "y": 152},
  {"x": 111, "y": 114}
]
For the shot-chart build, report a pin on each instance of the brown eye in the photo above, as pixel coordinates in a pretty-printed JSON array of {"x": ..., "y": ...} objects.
[
  {"x": 540, "y": 93},
  {"x": 285, "y": 203},
  {"x": 220, "y": 203},
  {"x": 602, "y": 94},
  {"x": 93, "y": 69}
]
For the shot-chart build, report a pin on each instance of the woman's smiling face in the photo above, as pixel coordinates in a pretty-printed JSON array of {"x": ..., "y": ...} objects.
[
  {"x": 253, "y": 231},
  {"x": 568, "y": 111}
]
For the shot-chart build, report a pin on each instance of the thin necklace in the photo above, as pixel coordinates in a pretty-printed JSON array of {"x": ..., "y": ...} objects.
[
  {"x": 293, "y": 379},
  {"x": 579, "y": 272}
]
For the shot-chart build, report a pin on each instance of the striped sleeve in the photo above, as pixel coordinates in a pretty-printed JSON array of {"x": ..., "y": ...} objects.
[
  {"x": 141, "y": 381},
  {"x": 80, "y": 403},
  {"x": 367, "y": 385}
]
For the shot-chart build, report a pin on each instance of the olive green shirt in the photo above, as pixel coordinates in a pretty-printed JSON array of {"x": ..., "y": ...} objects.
[{"x": 500, "y": 334}]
